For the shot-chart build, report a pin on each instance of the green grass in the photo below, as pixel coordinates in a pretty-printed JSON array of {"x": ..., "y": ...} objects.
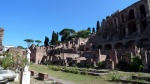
[{"x": 75, "y": 78}]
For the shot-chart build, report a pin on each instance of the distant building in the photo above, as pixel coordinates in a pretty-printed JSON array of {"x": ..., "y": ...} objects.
[{"x": 7, "y": 47}]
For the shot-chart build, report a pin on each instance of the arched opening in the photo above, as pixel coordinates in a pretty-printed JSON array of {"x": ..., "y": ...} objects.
[
  {"x": 144, "y": 24},
  {"x": 122, "y": 18},
  {"x": 115, "y": 23},
  {"x": 119, "y": 46},
  {"x": 132, "y": 28},
  {"x": 99, "y": 47},
  {"x": 108, "y": 47},
  {"x": 143, "y": 42},
  {"x": 142, "y": 11},
  {"x": 131, "y": 15},
  {"x": 130, "y": 43}
]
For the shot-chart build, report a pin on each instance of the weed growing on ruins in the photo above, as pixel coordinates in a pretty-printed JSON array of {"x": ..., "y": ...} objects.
[
  {"x": 101, "y": 65},
  {"x": 136, "y": 63},
  {"x": 114, "y": 77},
  {"x": 13, "y": 61}
]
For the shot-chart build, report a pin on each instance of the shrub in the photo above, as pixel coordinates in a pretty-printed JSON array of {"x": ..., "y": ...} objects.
[
  {"x": 84, "y": 72},
  {"x": 55, "y": 68},
  {"x": 136, "y": 62},
  {"x": 114, "y": 77},
  {"x": 141, "y": 68},
  {"x": 101, "y": 64}
]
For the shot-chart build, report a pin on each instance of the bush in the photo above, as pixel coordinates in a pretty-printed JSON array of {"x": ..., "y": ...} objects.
[
  {"x": 84, "y": 72},
  {"x": 101, "y": 64},
  {"x": 141, "y": 68},
  {"x": 136, "y": 62},
  {"x": 55, "y": 68},
  {"x": 114, "y": 77}
]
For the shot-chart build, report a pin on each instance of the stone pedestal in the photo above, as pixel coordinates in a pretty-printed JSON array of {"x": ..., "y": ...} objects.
[{"x": 26, "y": 77}]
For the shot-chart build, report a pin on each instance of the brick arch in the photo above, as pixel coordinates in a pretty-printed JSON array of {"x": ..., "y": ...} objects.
[
  {"x": 118, "y": 45},
  {"x": 131, "y": 14},
  {"x": 130, "y": 43},
  {"x": 107, "y": 47},
  {"x": 142, "y": 10}
]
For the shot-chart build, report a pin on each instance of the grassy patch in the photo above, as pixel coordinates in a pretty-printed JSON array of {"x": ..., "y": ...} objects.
[{"x": 76, "y": 78}]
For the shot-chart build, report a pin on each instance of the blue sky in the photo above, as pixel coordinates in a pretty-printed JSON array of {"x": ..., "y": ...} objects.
[{"x": 36, "y": 19}]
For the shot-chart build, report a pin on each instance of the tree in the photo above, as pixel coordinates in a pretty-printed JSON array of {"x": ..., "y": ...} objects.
[
  {"x": 97, "y": 26},
  {"x": 89, "y": 29},
  {"x": 93, "y": 30},
  {"x": 57, "y": 36},
  {"x": 83, "y": 33},
  {"x": 38, "y": 42},
  {"x": 29, "y": 42},
  {"x": 21, "y": 47},
  {"x": 54, "y": 38},
  {"x": 66, "y": 34},
  {"x": 46, "y": 41}
]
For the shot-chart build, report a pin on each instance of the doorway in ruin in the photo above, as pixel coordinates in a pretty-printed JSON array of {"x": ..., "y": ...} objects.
[
  {"x": 118, "y": 46},
  {"x": 144, "y": 24},
  {"x": 132, "y": 28},
  {"x": 131, "y": 15},
  {"x": 99, "y": 47},
  {"x": 143, "y": 14},
  {"x": 122, "y": 18},
  {"x": 115, "y": 23},
  {"x": 130, "y": 43},
  {"x": 108, "y": 47},
  {"x": 142, "y": 11}
]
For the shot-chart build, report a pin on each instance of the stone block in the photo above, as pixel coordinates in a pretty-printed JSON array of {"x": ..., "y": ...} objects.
[
  {"x": 32, "y": 73},
  {"x": 43, "y": 76}
]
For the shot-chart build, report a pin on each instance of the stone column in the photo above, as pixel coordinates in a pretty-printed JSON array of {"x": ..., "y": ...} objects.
[
  {"x": 144, "y": 59},
  {"x": 25, "y": 75}
]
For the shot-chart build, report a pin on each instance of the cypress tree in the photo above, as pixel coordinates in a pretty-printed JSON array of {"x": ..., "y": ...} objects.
[
  {"x": 93, "y": 30},
  {"x": 97, "y": 26}
]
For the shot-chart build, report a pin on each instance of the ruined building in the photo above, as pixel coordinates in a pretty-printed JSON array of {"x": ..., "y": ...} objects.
[
  {"x": 1, "y": 38},
  {"x": 123, "y": 32},
  {"x": 124, "y": 28}
]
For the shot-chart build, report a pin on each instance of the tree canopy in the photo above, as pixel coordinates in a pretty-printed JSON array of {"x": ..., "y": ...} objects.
[
  {"x": 29, "y": 42},
  {"x": 83, "y": 33},
  {"x": 38, "y": 42},
  {"x": 66, "y": 34},
  {"x": 46, "y": 42},
  {"x": 21, "y": 47}
]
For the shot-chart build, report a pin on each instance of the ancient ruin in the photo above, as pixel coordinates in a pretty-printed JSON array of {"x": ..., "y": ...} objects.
[
  {"x": 1, "y": 38},
  {"x": 122, "y": 35}
]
